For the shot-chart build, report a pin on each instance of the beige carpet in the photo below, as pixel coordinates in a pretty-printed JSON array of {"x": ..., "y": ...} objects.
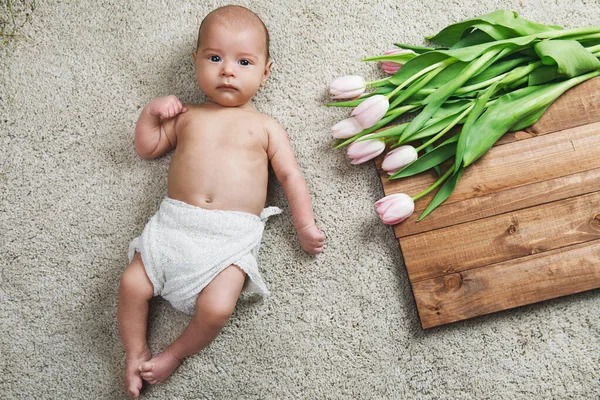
[{"x": 342, "y": 325}]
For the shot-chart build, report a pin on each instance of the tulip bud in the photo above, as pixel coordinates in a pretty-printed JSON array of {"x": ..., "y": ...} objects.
[
  {"x": 370, "y": 111},
  {"x": 347, "y": 87},
  {"x": 391, "y": 67},
  {"x": 395, "y": 208},
  {"x": 346, "y": 128},
  {"x": 398, "y": 158},
  {"x": 366, "y": 150}
]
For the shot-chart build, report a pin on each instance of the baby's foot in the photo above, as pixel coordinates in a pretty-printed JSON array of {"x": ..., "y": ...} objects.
[
  {"x": 133, "y": 379},
  {"x": 160, "y": 367}
]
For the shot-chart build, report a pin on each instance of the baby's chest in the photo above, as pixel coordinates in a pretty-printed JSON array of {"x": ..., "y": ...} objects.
[
  {"x": 224, "y": 130},
  {"x": 224, "y": 139}
]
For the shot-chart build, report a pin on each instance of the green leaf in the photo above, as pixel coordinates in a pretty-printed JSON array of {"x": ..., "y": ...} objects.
[
  {"x": 511, "y": 110},
  {"x": 443, "y": 117},
  {"x": 429, "y": 160},
  {"x": 509, "y": 20},
  {"x": 416, "y": 65},
  {"x": 415, "y": 87},
  {"x": 437, "y": 98},
  {"x": 446, "y": 75},
  {"x": 494, "y": 32},
  {"x": 350, "y": 103},
  {"x": 519, "y": 83},
  {"x": 394, "y": 130},
  {"x": 398, "y": 58},
  {"x": 528, "y": 120},
  {"x": 443, "y": 194},
  {"x": 451, "y": 108},
  {"x": 475, "y": 37},
  {"x": 543, "y": 74},
  {"x": 467, "y": 130},
  {"x": 497, "y": 69},
  {"x": 416, "y": 49},
  {"x": 353, "y": 103},
  {"x": 467, "y": 54},
  {"x": 570, "y": 56}
]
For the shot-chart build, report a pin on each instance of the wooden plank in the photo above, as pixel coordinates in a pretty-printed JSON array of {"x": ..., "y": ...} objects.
[
  {"x": 516, "y": 164},
  {"x": 511, "y": 235},
  {"x": 449, "y": 214},
  {"x": 511, "y": 166},
  {"x": 509, "y": 284}
]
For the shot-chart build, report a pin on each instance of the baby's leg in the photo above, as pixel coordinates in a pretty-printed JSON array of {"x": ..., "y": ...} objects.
[
  {"x": 214, "y": 306},
  {"x": 135, "y": 290}
]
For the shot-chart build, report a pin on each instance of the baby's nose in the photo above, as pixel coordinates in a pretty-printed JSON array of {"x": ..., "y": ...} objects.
[{"x": 227, "y": 69}]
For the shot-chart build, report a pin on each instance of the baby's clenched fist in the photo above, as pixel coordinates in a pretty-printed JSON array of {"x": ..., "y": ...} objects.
[
  {"x": 312, "y": 239},
  {"x": 166, "y": 107}
]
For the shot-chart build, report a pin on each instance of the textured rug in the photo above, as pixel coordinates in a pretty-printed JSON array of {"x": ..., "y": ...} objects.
[{"x": 341, "y": 325}]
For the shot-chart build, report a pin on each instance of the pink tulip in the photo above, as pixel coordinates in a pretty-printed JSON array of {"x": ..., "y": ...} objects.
[
  {"x": 346, "y": 128},
  {"x": 370, "y": 111},
  {"x": 347, "y": 87},
  {"x": 391, "y": 67},
  {"x": 360, "y": 152},
  {"x": 395, "y": 208},
  {"x": 398, "y": 158}
]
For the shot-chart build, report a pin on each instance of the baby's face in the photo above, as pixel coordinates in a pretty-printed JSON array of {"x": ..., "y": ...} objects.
[{"x": 231, "y": 64}]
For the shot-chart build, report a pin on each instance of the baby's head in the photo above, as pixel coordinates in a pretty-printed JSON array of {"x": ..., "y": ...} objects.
[{"x": 232, "y": 55}]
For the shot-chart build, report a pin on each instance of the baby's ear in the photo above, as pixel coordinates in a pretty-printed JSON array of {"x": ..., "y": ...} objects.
[
  {"x": 194, "y": 55},
  {"x": 266, "y": 73}
]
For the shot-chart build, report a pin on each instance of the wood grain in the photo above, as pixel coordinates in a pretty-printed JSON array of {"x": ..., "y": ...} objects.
[
  {"x": 538, "y": 193},
  {"x": 509, "y": 284},
  {"x": 514, "y": 165},
  {"x": 503, "y": 237}
]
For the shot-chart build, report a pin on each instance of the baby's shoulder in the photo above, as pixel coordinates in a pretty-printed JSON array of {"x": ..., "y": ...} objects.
[{"x": 271, "y": 125}]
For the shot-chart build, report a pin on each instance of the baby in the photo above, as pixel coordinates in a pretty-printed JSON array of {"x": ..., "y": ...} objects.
[{"x": 199, "y": 250}]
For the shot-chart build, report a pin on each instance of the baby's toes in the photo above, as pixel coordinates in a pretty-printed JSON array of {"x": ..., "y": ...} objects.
[
  {"x": 148, "y": 376},
  {"x": 146, "y": 367}
]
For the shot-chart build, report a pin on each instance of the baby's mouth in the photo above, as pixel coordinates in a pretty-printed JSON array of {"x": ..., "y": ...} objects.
[{"x": 227, "y": 87}]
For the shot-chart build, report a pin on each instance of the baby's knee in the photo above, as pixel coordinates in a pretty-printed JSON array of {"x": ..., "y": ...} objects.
[
  {"x": 216, "y": 315},
  {"x": 135, "y": 282}
]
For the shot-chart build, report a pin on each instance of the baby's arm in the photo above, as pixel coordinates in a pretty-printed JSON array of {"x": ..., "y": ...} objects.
[
  {"x": 155, "y": 129},
  {"x": 288, "y": 173}
]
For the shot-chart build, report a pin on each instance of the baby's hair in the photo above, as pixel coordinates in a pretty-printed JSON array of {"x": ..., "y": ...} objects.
[{"x": 238, "y": 15}]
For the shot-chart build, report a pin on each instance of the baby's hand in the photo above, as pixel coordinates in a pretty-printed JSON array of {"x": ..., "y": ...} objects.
[
  {"x": 312, "y": 239},
  {"x": 166, "y": 107}
]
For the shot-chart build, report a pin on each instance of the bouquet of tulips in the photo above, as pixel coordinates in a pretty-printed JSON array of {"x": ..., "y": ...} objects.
[{"x": 491, "y": 74}]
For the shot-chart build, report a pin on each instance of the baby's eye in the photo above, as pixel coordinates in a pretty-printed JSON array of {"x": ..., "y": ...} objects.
[
  {"x": 215, "y": 58},
  {"x": 245, "y": 63}
]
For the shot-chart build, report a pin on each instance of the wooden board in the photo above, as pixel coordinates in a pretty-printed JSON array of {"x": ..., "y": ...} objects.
[{"x": 523, "y": 224}]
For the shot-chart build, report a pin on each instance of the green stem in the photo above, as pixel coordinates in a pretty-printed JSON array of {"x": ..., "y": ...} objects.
[
  {"x": 441, "y": 64},
  {"x": 446, "y": 129},
  {"x": 436, "y": 184},
  {"x": 436, "y": 99},
  {"x": 593, "y": 49},
  {"x": 471, "y": 88},
  {"x": 378, "y": 82},
  {"x": 519, "y": 73},
  {"x": 579, "y": 32},
  {"x": 585, "y": 37},
  {"x": 401, "y": 110}
]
